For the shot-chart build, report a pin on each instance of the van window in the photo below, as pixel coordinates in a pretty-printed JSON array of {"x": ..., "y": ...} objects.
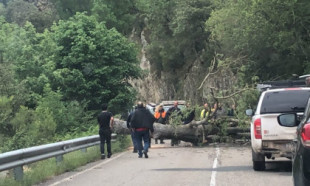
[{"x": 285, "y": 101}]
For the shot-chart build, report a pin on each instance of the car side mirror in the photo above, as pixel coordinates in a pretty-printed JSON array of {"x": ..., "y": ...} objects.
[
  {"x": 249, "y": 112},
  {"x": 288, "y": 120}
]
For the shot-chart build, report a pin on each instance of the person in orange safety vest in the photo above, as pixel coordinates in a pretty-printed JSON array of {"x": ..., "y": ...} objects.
[{"x": 160, "y": 116}]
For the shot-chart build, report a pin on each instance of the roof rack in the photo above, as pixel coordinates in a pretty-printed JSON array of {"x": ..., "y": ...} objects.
[
  {"x": 180, "y": 102},
  {"x": 304, "y": 76},
  {"x": 282, "y": 84}
]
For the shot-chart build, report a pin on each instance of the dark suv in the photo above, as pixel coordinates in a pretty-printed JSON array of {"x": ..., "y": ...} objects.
[{"x": 301, "y": 157}]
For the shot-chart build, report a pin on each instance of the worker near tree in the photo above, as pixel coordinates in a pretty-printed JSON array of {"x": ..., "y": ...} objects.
[
  {"x": 188, "y": 114},
  {"x": 173, "y": 111},
  {"x": 205, "y": 111},
  {"x": 160, "y": 116}
]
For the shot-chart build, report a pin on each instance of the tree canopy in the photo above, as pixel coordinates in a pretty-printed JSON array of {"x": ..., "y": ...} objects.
[
  {"x": 272, "y": 34},
  {"x": 93, "y": 63}
]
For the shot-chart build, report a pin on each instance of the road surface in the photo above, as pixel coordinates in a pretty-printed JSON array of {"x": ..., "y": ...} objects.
[{"x": 215, "y": 165}]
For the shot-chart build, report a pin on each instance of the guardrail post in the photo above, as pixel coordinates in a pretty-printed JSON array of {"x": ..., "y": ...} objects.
[
  {"x": 18, "y": 173},
  {"x": 84, "y": 150},
  {"x": 59, "y": 159},
  {"x": 113, "y": 137}
]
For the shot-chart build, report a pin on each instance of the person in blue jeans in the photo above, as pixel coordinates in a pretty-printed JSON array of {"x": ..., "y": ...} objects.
[
  {"x": 142, "y": 121},
  {"x": 134, "y": 141}
]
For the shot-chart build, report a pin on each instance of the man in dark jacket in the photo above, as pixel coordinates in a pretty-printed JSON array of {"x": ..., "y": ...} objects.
[
  {"x": 189, "y": 114},
  {"x": 171, "y": 110},
  {"x": 142, "y": 122},
  {"x": 105, "y": 121}
]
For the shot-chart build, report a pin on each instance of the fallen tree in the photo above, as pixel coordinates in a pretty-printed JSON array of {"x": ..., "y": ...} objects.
[{"x": 194, "y": 132}]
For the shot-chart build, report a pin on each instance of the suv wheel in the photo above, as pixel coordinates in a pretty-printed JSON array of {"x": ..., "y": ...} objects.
[{"x": 258, "y": 161}]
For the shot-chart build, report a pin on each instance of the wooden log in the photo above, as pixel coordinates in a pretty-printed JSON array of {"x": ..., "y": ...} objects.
[
  {"x": 192, "y": 132},
  {"x": 181, "y": 132},
  {"x": 120, "y": 127},
  {"x": 235, "y": 130}
]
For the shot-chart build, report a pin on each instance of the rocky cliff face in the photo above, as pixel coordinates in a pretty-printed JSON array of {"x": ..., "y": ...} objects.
[{"x": 152, "y": 88}]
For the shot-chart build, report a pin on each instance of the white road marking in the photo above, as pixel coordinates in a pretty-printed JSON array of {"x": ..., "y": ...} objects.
[
  {"x": 91, "y": 168},
  {"x": 213, "y": 175}
]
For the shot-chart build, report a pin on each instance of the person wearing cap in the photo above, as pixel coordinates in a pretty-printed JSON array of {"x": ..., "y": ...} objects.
[
  {"x": 160, "y": 116},
  {"x": 142, "y": 121}
]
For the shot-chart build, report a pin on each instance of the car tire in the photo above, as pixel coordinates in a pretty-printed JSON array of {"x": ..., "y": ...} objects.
[{"x": 258, "y": 161}]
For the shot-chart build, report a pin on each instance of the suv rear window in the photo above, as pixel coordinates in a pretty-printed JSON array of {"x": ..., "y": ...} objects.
[{"x": 285, "y": 101}]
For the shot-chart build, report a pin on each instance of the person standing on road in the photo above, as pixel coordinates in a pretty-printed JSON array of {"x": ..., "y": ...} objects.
[
  {"x": 175, "y": 109},
  {"x": 189, "y": 114},
  {"x": 160, "y": 116},
  {"x": 134, "y": 141},
  {"x": 205, "y": 111},
  {"x": 231, "y": 111},
  {"x": 105, "y": 121},
  {"x": 142, "y": 122}
]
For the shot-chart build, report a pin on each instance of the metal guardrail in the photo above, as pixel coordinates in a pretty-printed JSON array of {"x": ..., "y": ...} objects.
[{"x": 18, "y": 158}]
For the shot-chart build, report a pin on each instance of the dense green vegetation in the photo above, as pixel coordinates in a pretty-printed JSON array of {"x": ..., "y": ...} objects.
[
  {"x": 60, "y": 60},
  {"x": 53, "y": 82}
]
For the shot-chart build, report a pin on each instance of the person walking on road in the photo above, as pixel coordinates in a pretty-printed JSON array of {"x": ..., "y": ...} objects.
[
  {"x": 142, "y": 122},
  {"x": 134, "y": 141},
  {"x": 105, "y": 121}
]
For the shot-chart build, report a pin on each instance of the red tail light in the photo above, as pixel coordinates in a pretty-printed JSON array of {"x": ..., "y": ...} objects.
[
  {"x": 305, "y": 135},
  {"x": 258, "y": 129}
]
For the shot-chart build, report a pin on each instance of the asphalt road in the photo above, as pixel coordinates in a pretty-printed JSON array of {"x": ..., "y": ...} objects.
[{"x": 215, "y": 165}]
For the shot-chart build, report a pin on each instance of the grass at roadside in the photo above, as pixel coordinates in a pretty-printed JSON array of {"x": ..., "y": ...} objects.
[{"x": 43, "y": 170}]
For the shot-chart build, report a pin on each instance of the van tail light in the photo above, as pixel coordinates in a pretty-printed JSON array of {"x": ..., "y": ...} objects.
[
  {"x": 258, "y": 129},
  {"x": 305, "y": 135}
]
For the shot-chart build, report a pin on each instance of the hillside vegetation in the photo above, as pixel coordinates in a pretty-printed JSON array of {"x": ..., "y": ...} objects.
[{"x": 59, "y": 60}]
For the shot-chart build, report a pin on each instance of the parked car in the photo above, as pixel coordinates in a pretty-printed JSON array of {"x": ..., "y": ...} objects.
[
  {"x": 301, "y": 158},
  {"x": 268, "y": 138},
  {"x": 151, "y": 107},
  {"x": 169, "y": 104}
]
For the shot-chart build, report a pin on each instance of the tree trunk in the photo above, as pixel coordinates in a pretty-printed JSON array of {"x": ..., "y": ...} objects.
[{"x": 192, "y": 132}]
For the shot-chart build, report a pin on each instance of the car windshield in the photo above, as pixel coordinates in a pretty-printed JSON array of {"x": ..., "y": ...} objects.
[
  {"x": 285, "y": 101},
  {"x": 166, "y": 107},
  {"x": 151, "y": 108}
]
